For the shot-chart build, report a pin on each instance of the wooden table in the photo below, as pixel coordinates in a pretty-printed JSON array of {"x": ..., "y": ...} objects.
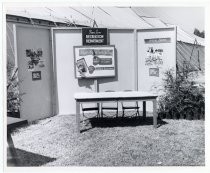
[
  {"x": 115, "y": 96},
  {"x": 13, "y": 123}
]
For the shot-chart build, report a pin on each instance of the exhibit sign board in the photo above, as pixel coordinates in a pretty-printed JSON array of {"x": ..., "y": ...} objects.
[
  {"x": 94, "y": 61},
  {"x": 94, "y": 36},
  {"x": 156, "y": 55}
]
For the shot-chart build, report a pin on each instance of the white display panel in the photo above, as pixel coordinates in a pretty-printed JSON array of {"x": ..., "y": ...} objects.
[
  {"x": 94, "y": 61},
  {"x": 156, "y": 55}
]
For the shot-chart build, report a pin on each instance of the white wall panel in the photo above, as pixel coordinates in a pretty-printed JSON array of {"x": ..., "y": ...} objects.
[
  {"x": 37, "y": 95},
  {"x": 124, "y": 45},
  {"x": 67, "y": 84},
  {"x": 168, "y": 57}
]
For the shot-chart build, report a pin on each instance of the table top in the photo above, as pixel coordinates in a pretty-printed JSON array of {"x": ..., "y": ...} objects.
[
  {"x": 15, "y": 122},
  {"x": 114, "y": 95}
]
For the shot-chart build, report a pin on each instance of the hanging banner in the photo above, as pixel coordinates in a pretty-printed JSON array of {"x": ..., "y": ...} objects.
[
  {"x": 94, "y": 61},
  {"x": 94, "y": 36}
]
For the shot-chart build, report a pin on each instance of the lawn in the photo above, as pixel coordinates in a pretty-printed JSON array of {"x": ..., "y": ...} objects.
[{"x": 111, "y": 142}]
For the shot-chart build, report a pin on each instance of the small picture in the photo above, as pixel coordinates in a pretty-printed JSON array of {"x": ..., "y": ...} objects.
[
  {"x": 81, "y": 65},
  {"x": 39, "y": 52},
  {"x": 36, "y": 75},
  {"x": 41, "y": 63},
  {"x": 154, "y": 72},
  {"x": 91, "y": 69},
  {"x": 30, "y": 66},
  {"x": 28, "y": 52}
]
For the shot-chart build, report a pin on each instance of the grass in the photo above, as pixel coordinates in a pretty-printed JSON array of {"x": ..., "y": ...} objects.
[{"x": 110, "y": 142}]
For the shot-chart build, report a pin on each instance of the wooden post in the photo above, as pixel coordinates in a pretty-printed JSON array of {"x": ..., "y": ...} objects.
[
  {"x": 136, "y": 60},
  {"x": 144, "y": 110}
]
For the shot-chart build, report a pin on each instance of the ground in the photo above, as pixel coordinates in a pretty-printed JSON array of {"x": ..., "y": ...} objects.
[{"x": 111, "y": 142}]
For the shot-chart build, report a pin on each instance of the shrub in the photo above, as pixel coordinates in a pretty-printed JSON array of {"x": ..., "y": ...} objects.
[
  {"x": 13, "y": 95},
  {"x": 182, "y": 97}
]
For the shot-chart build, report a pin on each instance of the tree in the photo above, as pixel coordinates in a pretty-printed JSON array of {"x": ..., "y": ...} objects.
[{"x": 199, "y": 33}]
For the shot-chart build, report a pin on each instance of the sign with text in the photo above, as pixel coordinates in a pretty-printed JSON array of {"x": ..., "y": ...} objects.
[
  {"x": 36, "y": 75},
  {"x": 94, "y": 36},
  {"x": 94, "y": 61},
  {"x": 157, "y": 40}
]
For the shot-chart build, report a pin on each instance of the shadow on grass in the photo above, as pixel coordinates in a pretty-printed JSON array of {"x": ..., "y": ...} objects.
[
  {"x": 122, "y": 122},
  {"x": 28, "y": 159}
]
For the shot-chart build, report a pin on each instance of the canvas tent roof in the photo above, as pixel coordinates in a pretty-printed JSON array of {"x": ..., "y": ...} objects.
[
  {"x": 116, "y": 17},
  {"x": 111, "y": 17}
]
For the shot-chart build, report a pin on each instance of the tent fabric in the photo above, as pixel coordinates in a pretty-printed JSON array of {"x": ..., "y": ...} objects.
[
  {"x": 103, "y": 16},
  {"x": 191, "y": 55},
  {"x": 111, "y": 17},
  {"x": 188, "y": 45},
  {"x": 155, "y": 22}
]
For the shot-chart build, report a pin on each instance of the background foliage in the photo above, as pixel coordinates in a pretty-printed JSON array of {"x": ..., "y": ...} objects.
[
  {"x": 13, "y": 95},
  {"x": 182, "y": 98}
]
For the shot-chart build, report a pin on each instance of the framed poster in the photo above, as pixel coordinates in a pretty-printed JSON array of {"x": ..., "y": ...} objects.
[
  {"x": 36, "y": 75},
  {"x": 154, "y": 72},
  {"x": 94, "y": 61}
]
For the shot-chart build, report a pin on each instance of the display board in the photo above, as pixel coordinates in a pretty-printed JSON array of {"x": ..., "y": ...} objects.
[
  {"x": 156, "y": 55},
  {"x": 94, "y": 61}
]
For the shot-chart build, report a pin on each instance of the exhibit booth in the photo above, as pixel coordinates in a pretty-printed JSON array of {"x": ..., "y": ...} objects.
[{"x": 56, "y": 62}]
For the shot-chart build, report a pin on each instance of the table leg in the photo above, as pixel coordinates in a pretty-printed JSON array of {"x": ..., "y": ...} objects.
[
  {"x": 144, "y": 110},
  {"x": 155, "y": 113},
  {"x": 78, "y": 117}
]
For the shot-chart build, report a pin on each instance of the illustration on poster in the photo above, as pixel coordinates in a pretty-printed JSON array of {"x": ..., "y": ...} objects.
[
  {"x": 34, "y": 58},
  {"x": 154, "y": 57},
  {"x": 82, "y": 66}
]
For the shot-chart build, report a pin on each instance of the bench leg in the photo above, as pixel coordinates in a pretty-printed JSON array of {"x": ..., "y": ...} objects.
[
  {"x": 155, "y": 113},
  {"x": 144, "y": 110},
  {"x": 78, "y": 117}
]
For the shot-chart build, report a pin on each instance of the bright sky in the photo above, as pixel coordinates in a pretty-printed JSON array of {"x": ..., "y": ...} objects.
[{"x": 187, "y": 18}]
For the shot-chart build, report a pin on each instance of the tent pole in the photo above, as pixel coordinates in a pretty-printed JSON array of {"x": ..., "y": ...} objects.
[{"x": 135, "y": 60}]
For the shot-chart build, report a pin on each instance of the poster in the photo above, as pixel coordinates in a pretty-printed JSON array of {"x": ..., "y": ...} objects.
[
  {"x": 94, "y": 61},
  {"x": 154, "y": 57},
  {"x": 34, "y": 58}
]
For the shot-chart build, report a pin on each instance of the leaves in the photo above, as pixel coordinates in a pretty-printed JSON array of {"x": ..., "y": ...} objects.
[
  {"x": 13, "y": 95},
  {"x": 182, "y": 98}
]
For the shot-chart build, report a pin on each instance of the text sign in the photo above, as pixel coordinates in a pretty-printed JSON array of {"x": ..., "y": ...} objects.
[
  {"x": 94, "y": 36},
  {"x": 36, "y": 75},
  {"x": 157, "y": 40}
]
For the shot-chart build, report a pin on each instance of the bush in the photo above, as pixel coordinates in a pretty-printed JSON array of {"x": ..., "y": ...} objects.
[
  {"x": 182, "y": 97},
  {"x": 13, "y": 95}
]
